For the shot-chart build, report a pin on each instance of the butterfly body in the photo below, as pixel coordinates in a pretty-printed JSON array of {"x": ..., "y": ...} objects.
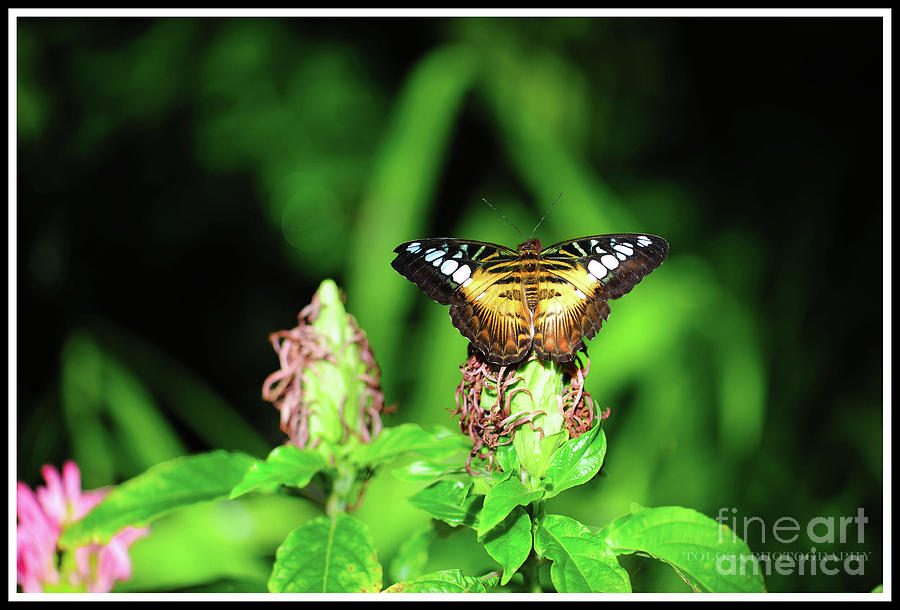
[{"x": 507, "y": 302}]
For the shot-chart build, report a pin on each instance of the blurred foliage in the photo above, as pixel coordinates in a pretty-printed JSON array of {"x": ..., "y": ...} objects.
[{"x": 185, "y": 184}]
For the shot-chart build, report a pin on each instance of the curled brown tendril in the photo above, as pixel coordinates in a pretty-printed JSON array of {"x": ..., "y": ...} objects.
[
  {"x": 576, "y": 404},
  {"x": 491, "y": 426},
  {"x": 299, "y": 348}
]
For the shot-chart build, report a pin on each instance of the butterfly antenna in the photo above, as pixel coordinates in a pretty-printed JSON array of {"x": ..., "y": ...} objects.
[
  {"x": 547, "y": 213},
  {"x": 504, "y": 217}
]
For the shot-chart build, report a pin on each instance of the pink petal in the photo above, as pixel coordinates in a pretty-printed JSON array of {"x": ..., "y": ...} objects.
[
  {"x": 89, "y": 499},
  {"x": 36, "y": 536},
  {"x": 28, "y": 509},
  {"x": 112, "y": 564},
  {"x": 82, "y": 557},
  {"x": 31, "y": 584},
  {"x": 35, "y": 559},
  {"x": 129, "y": 535},
  {"x": 52, "y": 497},
  {"x": 29, "y": 558},
  {"x": 71, "y": 477},
  {"x": 114, "y": 561},
  {"x": 32, "y": 517}
]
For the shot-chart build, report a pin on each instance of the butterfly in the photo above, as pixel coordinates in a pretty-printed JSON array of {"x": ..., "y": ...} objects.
[{"x": 507, "y": 302}]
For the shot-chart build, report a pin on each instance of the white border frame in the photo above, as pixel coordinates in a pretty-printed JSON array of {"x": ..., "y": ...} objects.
[{"x": 885, "y": 14}]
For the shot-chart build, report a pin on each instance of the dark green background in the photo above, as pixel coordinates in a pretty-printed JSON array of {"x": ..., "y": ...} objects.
[{"x": 184, "y": 185}]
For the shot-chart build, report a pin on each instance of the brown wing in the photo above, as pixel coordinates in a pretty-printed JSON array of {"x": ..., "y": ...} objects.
[
  {"x": 577, "y": 277},
  {"x": 493, "y": 315},
  {"x": 483, "y": 286},
  {"x": 564, "y": 318}
]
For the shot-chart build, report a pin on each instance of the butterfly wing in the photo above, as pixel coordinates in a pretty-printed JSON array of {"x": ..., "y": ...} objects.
[
  {"x": 483, "y": 286},
  {"x": 577, "y": 278}
]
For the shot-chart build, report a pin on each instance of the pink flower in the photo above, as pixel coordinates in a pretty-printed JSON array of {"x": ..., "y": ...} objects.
[{"x": 43, "y": 514}]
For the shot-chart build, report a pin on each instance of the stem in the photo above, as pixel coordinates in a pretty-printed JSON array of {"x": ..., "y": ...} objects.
[
  {"x": 530, "y": 573},
  {"x": 335, "y": 505},
  {"x": 537, "y": 511},
  {"x": 340, "y": 490},
  {"x": 532, "y": 563}
]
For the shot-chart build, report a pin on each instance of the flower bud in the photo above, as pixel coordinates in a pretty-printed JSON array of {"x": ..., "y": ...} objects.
[
  {"x": 535, "y": 406},
  {"x": 328, "y": 388},
  {"x": 540, "y": 410}
]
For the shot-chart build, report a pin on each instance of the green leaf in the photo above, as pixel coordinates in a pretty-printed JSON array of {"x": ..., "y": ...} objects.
[
  {"x": 500, "y": 500},
  {"x": 576, "y": 461},
  {"x": 446, "y": 581},
  {"x": 411, "y": 557},
  {"x": 449, "y": 501},
  {"x": 327, "y": 555},
  {"x": 582, "y": 561},
  {"x": 407, "y": 438},
  {"x": 138, "y": 425},
  {"x": 709, "y": 556},
  {"x": 162, "y": 489},
  {"x": 186, "y": 398},
  {"x": 114, "y": 423},
  {"x": 81, "y": 397},
  {"x": 506, "y": 457},
  {"x": 492, "y": 579},
  {"x": 422, "y": 470},
  {"x": 510, "y": 542},
  {"x": 286, "y": 465},
  {"x": 484, "y": 482}
]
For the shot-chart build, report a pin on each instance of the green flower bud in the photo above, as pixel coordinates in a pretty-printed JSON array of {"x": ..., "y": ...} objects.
[
  {"x": 540, "y": 410},
  {"x": 516, "y": 417},
  {"x": 328, "y": 388}
]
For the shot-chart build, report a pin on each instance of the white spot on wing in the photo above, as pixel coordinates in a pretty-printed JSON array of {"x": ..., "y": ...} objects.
[
  {"x": 643, "y": 241},
  {"x": 580, "y": 294},
  {"x": 480, "y": 295},
  {"x": 598, "y": 270},
  {"x": 462, "y": 274},
  {"x": 430, "y": 256},
  {"x": 609, "y": 260},
  {"x": 449, "y": 267},
  {"x": 414, "y": 247},
  {"x": 626, "y": 250}
]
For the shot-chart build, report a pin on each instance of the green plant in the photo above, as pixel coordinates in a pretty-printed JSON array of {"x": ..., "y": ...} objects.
[{"x": 534, "y": 426}]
